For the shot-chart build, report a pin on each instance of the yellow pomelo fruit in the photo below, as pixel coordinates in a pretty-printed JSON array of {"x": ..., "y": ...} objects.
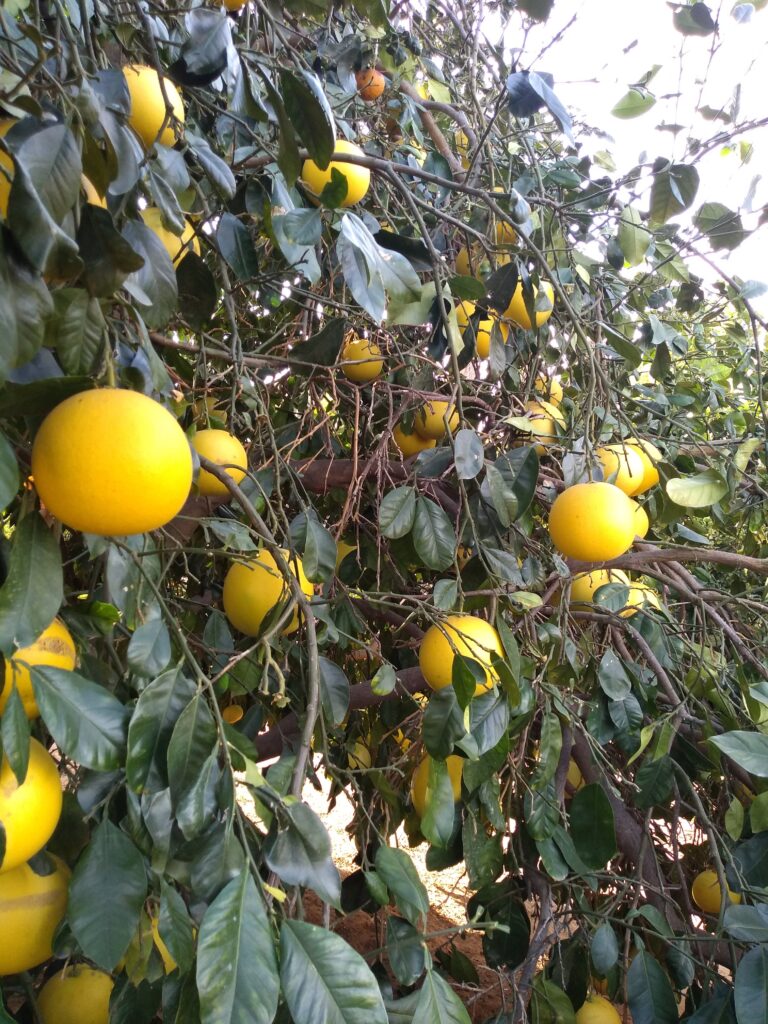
[
  {"x": 358, "y": 178},
  {"x": 597, "y": 1010},
  {"x": 505, "y": 233},
  {"x": 232, "y": 713},
  {"x": 31, "y": 907},
  {"x": 592, "y": 522},
  {"x": 29, "y": 812},
  {"x": 6, "y": 169},
  {"x": 253, "y": 588},
  {"x": 549, "y": 388},
  {"x": 585, "y": 584},
  {"x": 224, "y": 449},
  {"x": 112, "y": 462},
  {"x": 516, "y": 309},
  {"x": 357, "y": 349},
  {"x": 464, "y": 311},
  {"x": 649, "y": 455},
  {"x": 622, "y": 466},
  {"x": 148, "y": 109},
  {"x": 91, "y": 195},
  {"x": 411, "y": 444},
  {"x": 640, "y": 596},
  {"x": 467, "y": 635},
  {"x": 420, "y": 794},
  {"x": 642, "y": 522},
  {"x": 574, "y": 778},
  {"x": 54, "y": 646},
  {"x": 706, "y": 892},
  {"x": 543, "y": 416},
  {"x": 430, "y": 419},
  {"x": 177, "y": 246},
  {"x": 76, "y": 995},
  {"x": 468, "y": 263}
]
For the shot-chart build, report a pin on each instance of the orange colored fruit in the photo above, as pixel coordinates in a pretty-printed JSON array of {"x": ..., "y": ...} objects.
[
  {"x": 430, "y": 419},
  {"x": 224, "y": 449},
  {"x": 516, "y": 309},
  {"x": 411, "y": 444},
  {"x": 77, "y": 994},
  {"x": 706, "y": 892},
  {"x": 370, "y": 84},
  {"x": 361, "y": 360},
  {"x": 54, "y": 646},
  {"x": 31, "y": 907},
  {"x": 420, "y": 793},
  {"x": 592, "y": 522},
  {"x": 253, "y": 588},
  {"x": 112, "y": 462},
  {"x": 622, "y": 466},
  {"x": 358, "y": 178},
  {"x": 29, "y": 812},
  {"x": 177, "y": 246},
  {"x": 148, "y": 106},
  {"x": 467, "y": 635}
]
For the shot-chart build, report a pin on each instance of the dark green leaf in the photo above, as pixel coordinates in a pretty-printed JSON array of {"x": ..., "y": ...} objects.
[
  {"x": 407, "y": 953},
  {"x": 9, "y": 473},
  {"x": 397, "y": 512},
  {"x": 655, "y": 780},
  {"x": 149, "y": 649},
  {"x": 749, "y": 750},
  {"x": 33, "y": 590},
  {"x": 695, "y": 20},
  {"x": 674, "y": 189},
  {"x": 323, "y": 348},
  {"x": 236, "y": 246},
  {"x": 614, "y": 681},
  {"x": 45, "y": 245},
  {"x": 397, "y": 869},
  {"x": 51, "y": 158},
  {"x": 722, "y": 226},
  {"x": 604, "y": 949},
  {"x": 437, "y": 823},
  {"x": 149, "y": 732},
  {"x": 14, "y": 734},
  {"x": 751, "y": 987},
  {"x": 483, "y": 853},
  {"x": 298, "y": 850},
  {"x": 488, "y": 719},
  {"x": 434, "y": 539},
  {"x": 649, "y": 993},
  {"x": 438, "y": 1003},
  {"x": 198, "y": 294},
  {"x": 468, "y": 454},
  {"x": 310, "y": 113},
  {"x": 216, "y": 170},
  {"x": 108, "y": 257},
  {"x": 77, "y": 329},
  {"x": 443, "y": 723},
  {"x": 592, "y": 826},
  {"x": 192, "y": 742},
  {"x": 318, "y": 552},
  {"x": 297, "y": 233},
  {"x": 334, "y": 691},
  {"x": 153, "y": 285},
  {"x": 175, "y": 927},
  {"x": 748, "y": 924},
  {"x": 549, "y": 1004}
]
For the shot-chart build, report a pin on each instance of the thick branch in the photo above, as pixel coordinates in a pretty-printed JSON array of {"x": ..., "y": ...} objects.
[{"x": 646, "y": 553}]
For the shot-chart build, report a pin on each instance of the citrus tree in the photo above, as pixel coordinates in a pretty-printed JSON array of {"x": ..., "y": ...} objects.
[{"x": 360, "y": 416}]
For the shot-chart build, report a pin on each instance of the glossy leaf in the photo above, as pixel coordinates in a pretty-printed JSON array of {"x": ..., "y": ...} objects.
[
  {"x": 434, "y": 538},
  {"x": 396, "y": 868},
  {"x": 699, "y": 491},
  {"x": 33, "y": 590},
  {"x": 649, "y": 993},
  {"x": 151, "y": 726},
  {"x": 438, "y": 1003},
  {"x": 397, "y": 512},
  {"x": 334, "y": 691},
  {"x": 592, "y": 826},
  {"x": 749, "y": 750},
  {"x": 298, "y": 850},
  {"x": 149, "y": 649}
]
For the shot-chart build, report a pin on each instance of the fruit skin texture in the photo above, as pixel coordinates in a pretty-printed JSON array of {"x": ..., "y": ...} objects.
[
  {"x": 177, "y": 246},
  {"x": 54, "y": 646},
  {"x": 592, "y": 522},
  {"x": 29, "y": 812},
  {"x": 370, "y": 84},
  {"x": 430, "y": 419},
  {"x": 585, "y": 584},
  {"x": 361, "y": 348},
  {"x": 6, "y": 165},
  {"x": 148, "y": 110},
  {"x": 76, "y": 995},
  {"x": 706, "y": 892},
  {"x": 224, "y": 449},
  {"x": 642, "y": 522},
  {"x": 549, "y": 388},
  {"x": 459, "y": 634},
  {"x": 623, "y": 462},
  {"x": 420, "y": 781},
  {"x": 516, "y": 309},
  {"x": 649, "y": 455},
  {"x": 358, "y": 178},
  {"x": 640, "y": 596},
  {"x": 543, "y": 416},
  {"x": 597, "y": 1010},
  {"x": 112, "y": 462},
  {"x": 235, "y": 5},
  {"x": 411, "y": 444},
  {"x": 31, "y": 907},
  {"x": 253, "y": 588},
  {"x": 464, "y": 311}
]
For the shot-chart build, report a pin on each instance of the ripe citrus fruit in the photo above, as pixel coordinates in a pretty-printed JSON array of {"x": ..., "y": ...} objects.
[
  {"x": 54, "y": 646},
  {"x": 253, "y": 588},
  {"x": 649, "y": 455},
  {"x": 597, "y": 1010},
  {"x": 585, "y": 584},
  {"x": 411, "y": 444},
  {"x": 549, "y": 388},
  {"x": 77, "y": 994},
  {"x": 640, "y": 596},
  {"x": 420, "y": 793},
  {"x": 358, "y": 178},
  {"x": 177, "y": 246},
  {"x": 430, "y": 419},
  {"x": 574, "y": 778},
  {"x": 224, "y": 449},
  {"x": 235, "y": 5},
  {"x": 31, "y": 907},
  {"x": 29, "y": 812},
  {"x": 232, "y": 713},
  {"x": 542, "y": 417},
  {"x": 642, "y": 522},
  {"x": 464, "y": 311},
  {"x": 468, "y": 263},
  {"x": 592, "y": 522},
  {"x": 516, "y": 309},
  {"x": 112, "y": 462},
  {"x": 706, "y": 892},
  {"x": 505, "y": 233},
  {"x": 364, "y": 349},
  {"x": 622, "y": 466},
  {"x": 370, "y": 84},
  {"x": 148, "y": 110},
  {"x": 459, "y": 634},
  {"x": 91, "y": 194},
  {"x": 6, "y": 169}
]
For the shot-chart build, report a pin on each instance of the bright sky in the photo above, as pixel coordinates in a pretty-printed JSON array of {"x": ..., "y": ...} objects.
[{"x": 613, "y": 43}]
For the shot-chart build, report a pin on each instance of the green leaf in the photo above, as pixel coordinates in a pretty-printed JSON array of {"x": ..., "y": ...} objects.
[
  {"x": 483, "y": 853},
  {"x": 384, "y": 681},
  {"x": 193, "y": 740},
  {"x": 722, "y": 226},
  {"x": 592, "y": 826},
  {"x": 634, "y": 238},
  {"x": 397, "y": 512},
  {"x": 310, "y": 113},
  {"x": 324, "y": 980},
  {"x": 488, "y": 719},
  {"x": 468, "y": 454},
  {"x": 734, "y": 819},
  {"x": 674, "y": 189},
  {"x": 437, "y": 823},
  {"x": 51, "y": 158},
  {"x": 697, "y": 491},
  {"x": 604, "y": 949},
  {"x": 549, "y": 1004},
  {"x": 749, "y": 750},
  {"x": 216, "y": 170},
  {"x": 108, "y": 257},
  {"x": 695, "y": 20},
  {"x": 751, "y": 987},
  {"x": 502, "y": 903},
  {"x": 111, "y": 874},
  {"x": 236, "y": 246},
  {"x": 77, "y": 329},
  {"x": 614, "y": 681},
  {"x": 151, "y": 726},
  {"x": 747, "y": 924},
  {"x": 85, "y": 720},
  {"x": 443, "y": 723},
  {"x": 408, "y": 955},
  {"x": 334, "y": 691},
  {"x": 149, "y": 649},
  {"x": 9, "y": 473},
  {"x": 434, "y": 539},
  {"x": 318, "y": 552},
  {"x": 634, "y": 103},
  {"x": 298, "y": 850},
  {"x": 655, "y": 780},
  {"x": 397, "y": 869},
  {"x": 649, "y": 993},
  {"x": 237, "y": 976},
  {"x": 297, "y": 233},
  {"x": 15, "y": 730},
  {"x": 175, "y": 927},
  {"x": 33, "y": 590},
  {"x": 438, "y": 1003},
  {"x": 153, "y": 286},
  {"x": 198, "y": 293}
]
